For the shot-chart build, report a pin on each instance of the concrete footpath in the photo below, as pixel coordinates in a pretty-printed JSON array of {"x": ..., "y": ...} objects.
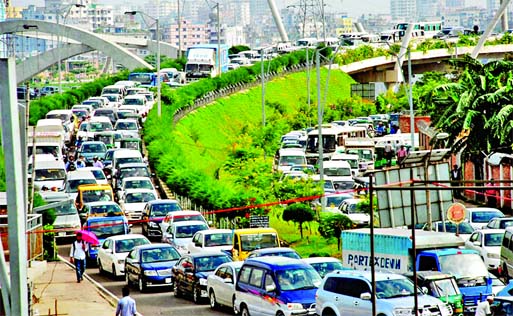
[{"x": 56, "y": 292}]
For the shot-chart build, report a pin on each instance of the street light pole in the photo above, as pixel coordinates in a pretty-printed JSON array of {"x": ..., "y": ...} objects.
[
  {"x": 218, "y": 42},
  {"x": 159, "y": 104},
  {"x": 319, "y": 124},
  {"x": 179, "y": 30}
]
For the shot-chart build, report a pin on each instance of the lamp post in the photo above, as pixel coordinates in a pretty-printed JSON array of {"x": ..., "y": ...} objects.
[
  {"x": 436, "y": 138},
  {"x": 58, "y": 13},
  {"x": 218, "y": 41},
  {"x": 157, "y": 35}
]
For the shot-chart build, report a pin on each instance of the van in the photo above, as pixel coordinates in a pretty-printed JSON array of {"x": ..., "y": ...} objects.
[
  {"x": 290, "y": 157},
  {"x": 124, "y": 156},
  {"x": 119, "y": 89},
  {"x": 54, "y": 125},
  {"x": 49, "y": 174},
  {"x": 93, "y": 193},
  {"x": 248, "y": 239},
  {"x": 276, "y": 286},
  {"x": 340, "y": 172},
  {"x": 506, "y": 267}
]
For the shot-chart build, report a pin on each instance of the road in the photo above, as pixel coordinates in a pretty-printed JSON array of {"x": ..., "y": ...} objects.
[{"x": 157, "y": 301}]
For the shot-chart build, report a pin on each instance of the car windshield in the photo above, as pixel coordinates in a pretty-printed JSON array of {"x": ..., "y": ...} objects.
[
  {"x": 134, "y": 172},
  {"x": 220, "y": 239},
  {"x": 93, "y": 148},
  {"x": 73, "y": 184},
  {"x": 354, "y": 209},
  {"x": 324, "y": 268},
  {"x": 66, "y": 209},
  {"x": 110, "y": 91},
  {"x": 133, "y": 101},
  {"x": 204, "y": 264},
  {"x": 394, "y": 288},
  {"x": 96, "y": 195},
  {"x": 124, "y": 160},
  {"x": 50, "y": 174},
  {"x": 79, "y": 113},
  {"x": 189, "y": 230},
  {"x": 336, "y": 200},
  {"x": 126, "y": 126},
  {"x": 463, "y": 265},
  {"x": 138, "y": 184},
  {"x": 98, "y": 174},
  {"x": 463, "y": 228},
  {"x": 292, "y": 160},
  {"x": 163, "y": 209},
  {"x": 493, "y": 239},
  {"x": 198, "y": 217},
  {"x": 139, "y": 197},
  {"x": 444, "y": 287},
  {"x": 126, "y": 245},
  {"x": 485, "y": 217},
  {"x": 45, "y": 149},
  {"x": 111, "y": 97},
  {"x": 298, "y": 279},
  {"x": 105, "y": 209},
  {"x": 337, "y": 172},
  {"x": 99, "y": 126},
  {"x": 251, "y": 242},
  {"x": 106, "y": 228},
  {"x": 159, "y": 255}
]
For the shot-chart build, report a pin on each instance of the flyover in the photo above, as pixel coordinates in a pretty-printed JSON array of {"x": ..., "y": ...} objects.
[
  {"x": 113, "y": 46},
  {"x": 381, "y": 69}
]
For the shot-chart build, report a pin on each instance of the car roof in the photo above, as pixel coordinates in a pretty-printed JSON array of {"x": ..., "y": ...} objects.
[
  {"x": 490, "y": 230},
  {"x": 233, "y": 264},
  {"x": 127, "y": 236},
  {"x": 80, "y": 174},
  {"x": 379, "y": 276},
  {"x": 214, "y": 231},
  {"x": 273, "y": 250},
  {"x": 164, "y": 201},
  {"x": 99, "y": 203},
  {"x": 207, "y": 254},
  {"x": 189, "y": 223},
  {"x": 153, "y": 246},
  {"x": 136, "y": 179},
  {"x": 321, "y": 259},
  {"x": 275, "y": 262}
]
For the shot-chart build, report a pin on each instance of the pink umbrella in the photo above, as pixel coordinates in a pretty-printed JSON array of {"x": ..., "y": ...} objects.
[{"x": 89, "y": 237}]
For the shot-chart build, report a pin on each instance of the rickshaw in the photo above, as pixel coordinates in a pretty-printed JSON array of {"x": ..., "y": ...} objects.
[
  {"x": 131, "y": 143},
  {"x": 106, "y": 137}
]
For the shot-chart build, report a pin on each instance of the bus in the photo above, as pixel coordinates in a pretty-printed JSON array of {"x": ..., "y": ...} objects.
[
  {"x": 333, "y": 137},
  {"x": 420, "y": 29},
  {"x": 147, "y": 79}
]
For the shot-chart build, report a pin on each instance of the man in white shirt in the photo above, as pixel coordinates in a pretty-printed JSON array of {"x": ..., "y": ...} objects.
[
  {"x": 483, "y": 308},
  {"x": 78, "y": 256}
]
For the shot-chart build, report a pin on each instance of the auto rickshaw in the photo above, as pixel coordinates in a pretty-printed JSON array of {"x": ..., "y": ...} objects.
[
  {"x": 92, "y": 193},
  {"x": 131, "y": 143},
  {"x": 106, "y": 137}
]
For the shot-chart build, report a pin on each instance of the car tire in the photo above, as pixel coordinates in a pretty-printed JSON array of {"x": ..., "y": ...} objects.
[
  {"x": 127, "y": 279},
  {"x": 234, "y": 309},
  {"x": 176, "y": 291},
  {"x": 100, "y": 267},
  {"x": 114, "y": 274},
  {"x": 212, "y": 300},
  {"x": 244, "y": 311},
  {"x": 142, "y": 285},
  {"x": 196, "y": 296}
]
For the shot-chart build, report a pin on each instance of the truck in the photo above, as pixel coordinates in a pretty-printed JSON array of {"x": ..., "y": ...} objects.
[
  {"x": 203, "y": 61},
  {"x": 435, "y": 251}
]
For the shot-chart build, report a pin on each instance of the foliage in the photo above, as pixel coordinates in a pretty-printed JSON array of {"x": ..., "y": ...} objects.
[
  {"x": 49, "y": 245},
  {"x": 237, "y": 49},
  {"x": 298, "y": 213},
  {"x": 332, "y": 225}
]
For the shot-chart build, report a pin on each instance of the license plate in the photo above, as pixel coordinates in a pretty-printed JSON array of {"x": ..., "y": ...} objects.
[
  {"x": 167, "y": 280},
  {"x": 62, "y": 234}
]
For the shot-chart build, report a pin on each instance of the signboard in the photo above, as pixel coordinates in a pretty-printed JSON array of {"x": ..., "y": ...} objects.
[
  {"x": 394, "y": 206},
  {"x": 258, "y": 221},
  {"x": 456, "y": 213},
  {"x": 361, "y": 260}
]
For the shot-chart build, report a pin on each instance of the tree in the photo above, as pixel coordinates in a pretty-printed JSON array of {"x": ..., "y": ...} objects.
[
  {"x": 332, "y": 225},
  {"x": 237, "y": 49},
  {"x": 298, "y": 213}
]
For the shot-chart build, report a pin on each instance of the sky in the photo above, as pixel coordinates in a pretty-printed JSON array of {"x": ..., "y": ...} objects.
[{"x": 355, "y": 8}]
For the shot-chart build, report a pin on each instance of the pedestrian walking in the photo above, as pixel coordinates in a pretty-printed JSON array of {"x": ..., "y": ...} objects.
[
  {"x": 456, "y": 180},
  {"x": 401, "y": 155},
  {"x": 491, "y": 194},
  {"x": 483, "y": 308},
  {"x": 126, "y": 305},
  {"x": 78, "y": 256}
]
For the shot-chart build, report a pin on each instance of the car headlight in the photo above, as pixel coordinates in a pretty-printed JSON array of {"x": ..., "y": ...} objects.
[
  {"x": 402, "y": 311},
  {"x": 150, "y": 272},
  {"x": 294, "y": 306},
  {"x": 121, "y": 261},
  {"x": 493, "y": 255},
  {"x": 94, "y": 247},
  {"x": 203, "y": 282}
]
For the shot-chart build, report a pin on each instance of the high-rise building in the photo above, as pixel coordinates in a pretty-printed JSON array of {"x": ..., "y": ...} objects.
[
  {"x": 165, "y": 8},
  {"x": 259, "y": 9},
  {"x": 454, "y": 5},
  {"x": 429, "y": 10},
  {"x": 191, "y": 34},
  {"x": 403, "y": 10}
]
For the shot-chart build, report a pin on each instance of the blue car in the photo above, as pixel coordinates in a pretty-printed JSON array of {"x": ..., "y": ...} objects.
[
  {"x": 150, "y": 265},
  {"x": 104, "y": 227}
]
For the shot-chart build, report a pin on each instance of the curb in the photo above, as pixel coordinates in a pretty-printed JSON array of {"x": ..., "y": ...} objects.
[{"x": 106, "y": 294}]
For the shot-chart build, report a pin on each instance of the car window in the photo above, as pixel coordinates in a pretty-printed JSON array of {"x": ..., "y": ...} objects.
[
  {"x": 256, "y": 277},
  {"x": 221, "y": 272},
  {"x": 245, "y": 272}
]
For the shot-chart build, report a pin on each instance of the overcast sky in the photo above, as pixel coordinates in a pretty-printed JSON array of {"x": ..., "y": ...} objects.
[{"x": 355, "y": 8}]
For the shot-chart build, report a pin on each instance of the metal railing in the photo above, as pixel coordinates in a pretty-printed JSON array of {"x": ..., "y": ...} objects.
[{"x": 34, "y": 236}]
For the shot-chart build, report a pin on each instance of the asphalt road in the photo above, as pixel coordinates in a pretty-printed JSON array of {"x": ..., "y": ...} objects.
[{"x": 157, "y": 301}]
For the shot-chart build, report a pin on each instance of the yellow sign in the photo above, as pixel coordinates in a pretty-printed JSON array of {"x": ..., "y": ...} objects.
[{"x": 456, "y": 213}]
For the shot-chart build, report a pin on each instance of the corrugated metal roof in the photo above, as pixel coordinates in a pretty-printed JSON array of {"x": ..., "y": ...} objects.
[{"x": 495, "y": 159}]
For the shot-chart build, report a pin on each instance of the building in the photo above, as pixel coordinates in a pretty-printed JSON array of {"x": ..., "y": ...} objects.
[
  {"x": 13, "y": 12},
  {"x": 403, "y": 10},
  {"x": 259, "y": 9},
  {"x": 165, "y": 8},
  {"x": 192, "y": 34},
  {"x": 429, "y": 10},
  {"x": 236, "y": 13},
  {"x": 344, "y": 24}
]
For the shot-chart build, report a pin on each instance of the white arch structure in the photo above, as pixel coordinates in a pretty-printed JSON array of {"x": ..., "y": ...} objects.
[{"x": 38, "y": 63}]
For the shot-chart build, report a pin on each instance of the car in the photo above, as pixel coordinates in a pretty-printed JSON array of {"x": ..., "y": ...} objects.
[
  {"x": 132, "y": 169},
  {"x": 150, "y": 265},
  {"x": 67, "y": 221},
  {"x": 488, "y": 243},
  {"x": 153, "y": 214},
  {"x": 128, "y": 128},
  {"x": 275, "y": 252},
  {"x": 76, "y": 178},
  {"x": 464, "y": 229},
  {"x": 114, "y": 100},
  {"x": 114, "y": 250},
  {"x": 499, "y": 223},
  {"x": 264, "y": 281},
  {"x": 179, "y": 234},
  {"x": 341, "y": 291},
  {"x": 211, "y": 240},
  {"x": 133, "y": 201},
  {"x": 356, "y": 215},
  {"x": 333, "y": 202},
  {"x": 191, "y": 271},
  {"x": 324, "y": 265},
  {"x": 109, "y": 113},
  {"x": 180, "y": 216},
  {"x": 130, "y": 183},
  {"x": 497, "y": 284},
  {"x": 480, "y": 216},
  {"x": 91, "y": 149},
  {"x": 104, "y": 227},
  {"x": 99, "y": 209},
  {"x": 221, "y": 284},
  {"x": 98, "y": 174}
]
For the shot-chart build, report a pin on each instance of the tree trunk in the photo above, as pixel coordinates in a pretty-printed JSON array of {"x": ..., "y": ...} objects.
[{"x": 301, "y": 229}]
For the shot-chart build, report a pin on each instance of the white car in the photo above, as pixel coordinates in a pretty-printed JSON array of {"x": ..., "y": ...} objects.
[
  {"x": 98, "y": 174},
  {"x": 133, "y": 201},
  {"x": 324, "y": 265},
  {"x": 131, "y": 183},
  {"x": 114, "y": 250},
  {"x": 180, "y": 234},
  {"x": 180, "y": 216},
  {"x": 478, "y": 217},
  {"x": 211, "y": 240},
  {"x": 488, "y": 243},
  {"x": 221, "y": 284},
  {"x": 350, "y": 209}
]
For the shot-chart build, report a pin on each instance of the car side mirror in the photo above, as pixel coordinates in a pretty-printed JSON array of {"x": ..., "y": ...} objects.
[
  {"x": 425, "y": 290},
  {"x": 365, "y": 296},
  {"x": 270, "y": 288},
  {"x": 228, "y": 281}
]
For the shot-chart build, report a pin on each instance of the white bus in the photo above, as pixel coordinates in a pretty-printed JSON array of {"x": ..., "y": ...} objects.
[
  {"x": 421, "y": 29},
  {"x": 333, "y": 137}
]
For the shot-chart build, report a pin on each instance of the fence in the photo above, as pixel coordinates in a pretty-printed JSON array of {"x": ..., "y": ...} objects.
[{"x": 34, "y": 241}]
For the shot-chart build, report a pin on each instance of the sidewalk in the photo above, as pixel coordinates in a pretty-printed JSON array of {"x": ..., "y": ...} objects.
[{"x": 57, "y": 286}]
